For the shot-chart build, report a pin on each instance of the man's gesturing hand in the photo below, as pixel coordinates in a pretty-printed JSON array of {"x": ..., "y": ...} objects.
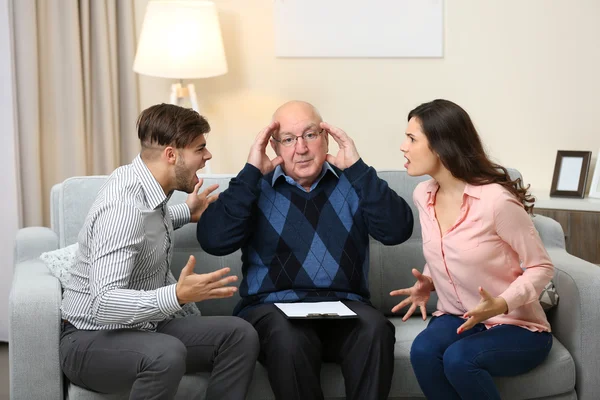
[
  {"x": 192, "y": 287},
  {"x": 199, "y": 202}
]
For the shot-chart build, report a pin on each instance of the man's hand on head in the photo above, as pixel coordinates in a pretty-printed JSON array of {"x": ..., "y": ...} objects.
[
  {"x": 258, "y": 154},
  {"x": 347, "y": 155}
]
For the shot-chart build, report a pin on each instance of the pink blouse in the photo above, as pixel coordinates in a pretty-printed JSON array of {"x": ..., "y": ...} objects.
[{"x": 493, "y": 244}]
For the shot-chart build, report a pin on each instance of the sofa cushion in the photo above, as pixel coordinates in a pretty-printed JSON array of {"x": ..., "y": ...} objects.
[
  {"x": 555, "y": 376},
  {"x": 71, "y": 200},
  {"x": 390, "y": 269},
  {"x": 549, "y": 297},
  {"x": 60, "y": 262}
]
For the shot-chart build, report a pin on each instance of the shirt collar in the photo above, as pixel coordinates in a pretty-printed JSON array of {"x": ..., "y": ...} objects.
[
  {"x": 473, "y": 191},
  {"x": 279, "y": 173},
  {"x": 155, "y": 195},
  {"x": 433, "y": 186}
]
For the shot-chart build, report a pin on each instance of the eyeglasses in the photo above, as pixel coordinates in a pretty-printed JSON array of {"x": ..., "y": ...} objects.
[{"x": 290, "y": 140}]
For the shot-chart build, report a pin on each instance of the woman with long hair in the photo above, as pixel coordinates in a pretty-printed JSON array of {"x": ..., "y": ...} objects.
[{"x": 484, "y": 258}]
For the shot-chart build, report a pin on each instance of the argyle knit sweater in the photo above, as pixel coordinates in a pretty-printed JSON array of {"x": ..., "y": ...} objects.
[{"x": 304, "y": 246}]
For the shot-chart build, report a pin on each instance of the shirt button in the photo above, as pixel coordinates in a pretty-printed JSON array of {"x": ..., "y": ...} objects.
[{"x": 450, "y": 281}]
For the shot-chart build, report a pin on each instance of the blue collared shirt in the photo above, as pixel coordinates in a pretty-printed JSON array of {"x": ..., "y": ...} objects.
[{"x": 279, "y": 172}]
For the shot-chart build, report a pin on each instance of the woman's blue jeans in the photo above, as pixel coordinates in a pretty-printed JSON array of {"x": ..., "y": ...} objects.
[{"x": 450, "y": 366}]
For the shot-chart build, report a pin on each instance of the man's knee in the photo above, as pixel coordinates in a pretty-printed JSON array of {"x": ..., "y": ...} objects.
[
  {"x": 378, "y": 329},
  {"x": 168, "y": 356},
  {"x": 294, "y": 343},
  {"x": 244, "y": 336}
]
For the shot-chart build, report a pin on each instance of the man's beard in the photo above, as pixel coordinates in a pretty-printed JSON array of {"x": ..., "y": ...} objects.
[{"x": 183, "y": 181}]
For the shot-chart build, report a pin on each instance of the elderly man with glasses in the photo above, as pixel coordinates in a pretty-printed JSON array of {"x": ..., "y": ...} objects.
[{"x": 303, "y": 221}]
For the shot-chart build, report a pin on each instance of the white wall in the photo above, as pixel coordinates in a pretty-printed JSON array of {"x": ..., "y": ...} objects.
[
  {"x": 526, "y": 71},
  {"x": 9, "y": 216}
]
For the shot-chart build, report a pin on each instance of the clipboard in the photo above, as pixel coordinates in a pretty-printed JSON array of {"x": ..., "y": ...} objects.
[{"x": 316, "y": 310}]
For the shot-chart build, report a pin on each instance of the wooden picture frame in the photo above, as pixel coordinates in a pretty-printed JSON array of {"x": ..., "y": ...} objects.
[
  {"x": 595, "y": 187},
  {"x": 570, "y": 173}
]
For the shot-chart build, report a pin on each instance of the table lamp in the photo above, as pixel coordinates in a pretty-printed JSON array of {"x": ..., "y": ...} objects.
[{"x": 181, "y": 39}]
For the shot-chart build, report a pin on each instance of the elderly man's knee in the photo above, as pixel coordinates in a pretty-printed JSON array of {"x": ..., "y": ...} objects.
[
  {"x": 380, "y": 330},
  {"x": 284, "y": 339}
]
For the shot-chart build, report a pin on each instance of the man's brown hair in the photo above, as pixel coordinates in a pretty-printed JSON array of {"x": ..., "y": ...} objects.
[{"x": 170, "y": 125}]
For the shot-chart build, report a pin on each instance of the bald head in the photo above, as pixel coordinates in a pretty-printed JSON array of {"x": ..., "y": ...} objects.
[{"x": 296, "y": 108}]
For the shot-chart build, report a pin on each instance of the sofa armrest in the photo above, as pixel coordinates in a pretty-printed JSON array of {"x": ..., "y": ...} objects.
[
  {"x": 34, "y": 332},
  {"x": 576, "y": 319},
  {"x": 33, "y": 241},
  {"x": 550, "y": 231}
]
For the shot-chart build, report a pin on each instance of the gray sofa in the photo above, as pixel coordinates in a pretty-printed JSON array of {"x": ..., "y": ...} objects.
[{"x": 572, "y": 370}]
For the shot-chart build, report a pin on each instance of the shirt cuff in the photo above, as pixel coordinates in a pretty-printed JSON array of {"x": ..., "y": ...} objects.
[
  {"x": 513, "y": 297},
  {"x": 166, "y": 298},
  {"x": 250, "y": 175},
  {"x": 356, "y": 170},
  {"x": 180, "y": 215}
]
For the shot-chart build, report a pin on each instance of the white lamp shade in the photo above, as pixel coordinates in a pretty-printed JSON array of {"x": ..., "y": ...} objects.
[{"x": 180, "y": 39}]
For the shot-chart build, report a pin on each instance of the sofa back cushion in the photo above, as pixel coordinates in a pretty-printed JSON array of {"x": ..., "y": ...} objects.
[
  {"x": 390, "y": 266},
  {"x": 70, "y": 202}
]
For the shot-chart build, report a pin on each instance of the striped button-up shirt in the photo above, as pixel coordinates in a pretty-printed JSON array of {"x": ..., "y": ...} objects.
[{"x": 122, "y": 276}]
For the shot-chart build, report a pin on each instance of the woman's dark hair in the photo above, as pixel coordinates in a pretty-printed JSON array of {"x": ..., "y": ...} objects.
[
  {"x": 170, "y": 125},
  {"x": 452, "y": 135}
]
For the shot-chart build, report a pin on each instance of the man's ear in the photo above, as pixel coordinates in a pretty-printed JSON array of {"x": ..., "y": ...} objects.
[
  {"x": 274, "y": 146},
  {"x": 170, "y": 155}
]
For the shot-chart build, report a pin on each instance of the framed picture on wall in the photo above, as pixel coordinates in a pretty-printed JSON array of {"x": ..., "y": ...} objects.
[
  {"x": 570, "y": 173},
  {"x": 595, "y": 188}
]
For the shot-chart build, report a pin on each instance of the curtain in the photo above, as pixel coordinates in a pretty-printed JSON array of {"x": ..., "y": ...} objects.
[{"x": 77, "y": 96}]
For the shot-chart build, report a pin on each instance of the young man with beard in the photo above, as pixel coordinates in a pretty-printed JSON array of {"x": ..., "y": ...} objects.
[{"x": 118, "y": 333}]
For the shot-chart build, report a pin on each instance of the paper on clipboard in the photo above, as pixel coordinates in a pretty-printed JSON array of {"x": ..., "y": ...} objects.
[{"x": 322, "y": 309}]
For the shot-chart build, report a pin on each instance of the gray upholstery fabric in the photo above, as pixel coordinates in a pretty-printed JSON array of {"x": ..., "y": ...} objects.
[
  {"x": 33, "y": 241},
  {"x": 70, "y": 203},
  {"x": 34, "y": 320},
  {"x": 35, "y": 300},
  {"x": 576, "y": 320},
  {"x": 550, "y": 231},
  {"x": 530, "y": 385},
  {"x": 390, "y": 268}
]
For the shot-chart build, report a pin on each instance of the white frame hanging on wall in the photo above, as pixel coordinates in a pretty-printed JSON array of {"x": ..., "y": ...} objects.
[{"x": 359, "y": 28}]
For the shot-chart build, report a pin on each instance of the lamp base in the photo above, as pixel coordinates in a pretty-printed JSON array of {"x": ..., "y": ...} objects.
[{"x": 179, "y": 94}]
